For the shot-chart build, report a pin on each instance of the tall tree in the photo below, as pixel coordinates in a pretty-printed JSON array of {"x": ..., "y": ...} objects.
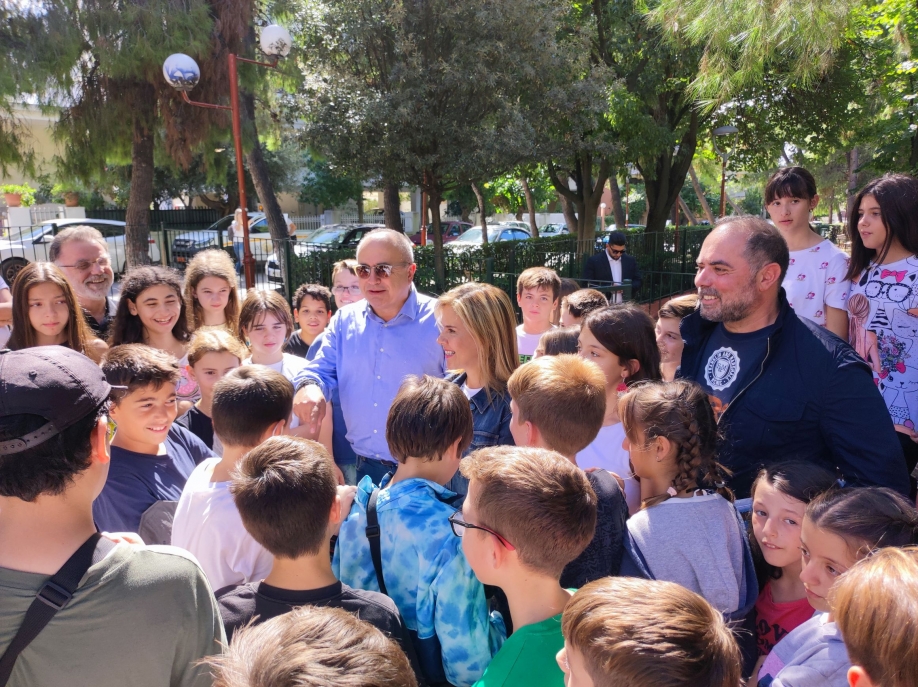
[{"x": 435, "y": 94}]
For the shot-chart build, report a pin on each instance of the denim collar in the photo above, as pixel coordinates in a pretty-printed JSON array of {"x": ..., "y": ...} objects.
[{"x": 481, "y": 401}]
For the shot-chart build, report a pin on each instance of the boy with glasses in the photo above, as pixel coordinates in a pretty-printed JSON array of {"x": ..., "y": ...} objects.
[
  {"x": 419, "y": 562},
  {"x": 529, "y": 512}
]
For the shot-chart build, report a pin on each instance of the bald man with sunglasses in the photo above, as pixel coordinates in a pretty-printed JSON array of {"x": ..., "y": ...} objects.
[{"x": 370, "y": 347}]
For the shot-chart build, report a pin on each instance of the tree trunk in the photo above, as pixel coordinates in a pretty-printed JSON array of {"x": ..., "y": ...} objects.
[
  {"x": 261, "y": 179},
  {"x": 392, "y": 207},
  {"x": 852, "y": 158},
  {"x": 618, "y": 211},
  {"x": 664, "y": 181},
  {"x": 699, "y": 192},
  {"x": 736, "y": 208},
  {"x": 585, "y": 198},
  {"x": 570, "y": 216},
  {"x": 689, "y": 215},
  {"x": 482, "y": 215},
  {"x": 137, "y": 217},
  {"x": 434, "y": 196},
  {"x": 530, "y": 206},
  {"x": 360, "y": 208},
  {"x": 218, "y": 205}
]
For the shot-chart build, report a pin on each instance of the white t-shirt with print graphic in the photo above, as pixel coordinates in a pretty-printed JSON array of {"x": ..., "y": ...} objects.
[
  {"x": 816, "y": 278},
  {"x": 883, "y": 316}
]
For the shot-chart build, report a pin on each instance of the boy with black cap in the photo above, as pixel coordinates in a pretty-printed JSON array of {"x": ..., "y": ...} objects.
[{"x": 76, "y": 608}]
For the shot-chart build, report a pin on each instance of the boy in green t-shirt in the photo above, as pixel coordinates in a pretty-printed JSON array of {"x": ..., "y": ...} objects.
[{"x": 529, "y": 512}]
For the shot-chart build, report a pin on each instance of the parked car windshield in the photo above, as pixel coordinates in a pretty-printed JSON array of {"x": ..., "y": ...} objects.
[
  {"x": 328, "y": 236},
  {"x": 28, "y": 233}
]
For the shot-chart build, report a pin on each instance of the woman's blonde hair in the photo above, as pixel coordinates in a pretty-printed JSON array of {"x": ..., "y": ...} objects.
[
  {"x": 77, "y": 332},
  {"x": 487, "y": 313},
  {"x": 211, "y": 263}
]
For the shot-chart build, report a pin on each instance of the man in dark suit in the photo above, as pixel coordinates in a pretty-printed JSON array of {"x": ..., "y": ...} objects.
[{"x": 613, "y": 264}]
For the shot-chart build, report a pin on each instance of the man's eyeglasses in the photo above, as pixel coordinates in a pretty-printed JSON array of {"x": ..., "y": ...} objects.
[
  {"x": 459, "y": 526},
  {"x": 616, "y": 251},
  {"x": 383, "y": 271},
  {"x": 341, "y": 290},
  {"x": 84, "y": 265}
]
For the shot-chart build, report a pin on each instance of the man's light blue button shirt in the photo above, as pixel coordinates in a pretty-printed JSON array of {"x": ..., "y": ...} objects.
[{"x": 367, "y": 359}]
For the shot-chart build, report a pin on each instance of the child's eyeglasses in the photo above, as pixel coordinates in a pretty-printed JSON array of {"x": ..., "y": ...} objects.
[
  {"x": 459, "y": 526},
  {"x": 341, "y": 290},
  {"x": 383, "y": 271}
]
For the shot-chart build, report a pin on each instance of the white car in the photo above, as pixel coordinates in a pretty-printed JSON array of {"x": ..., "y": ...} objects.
[
  {"x": 31, "y": 244},
  {"x": 472, "y": 238}
]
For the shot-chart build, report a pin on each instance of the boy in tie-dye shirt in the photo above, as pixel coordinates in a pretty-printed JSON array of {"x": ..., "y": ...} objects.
[{"x": 423, "y": 568}]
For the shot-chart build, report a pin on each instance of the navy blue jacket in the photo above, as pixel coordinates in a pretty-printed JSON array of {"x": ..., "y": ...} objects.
[
  {"x": 597, "y": 269},
  {"x": 813, "y": 399}
]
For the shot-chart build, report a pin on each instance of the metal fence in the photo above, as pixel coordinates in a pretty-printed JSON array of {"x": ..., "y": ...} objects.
[{"x": 189, "y": 218}]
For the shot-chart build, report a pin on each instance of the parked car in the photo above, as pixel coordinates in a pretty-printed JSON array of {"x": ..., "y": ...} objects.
[
  {"x": 472, "y": 238},
  {"x": 553, "y": 230},
  {"x": 518, "y": 224},
  {"x": 452, "y": 230},
  {"x": 188, "y": 244},
  {"x": 333, "y": 237},
  {"x": 31, "y": 244}
]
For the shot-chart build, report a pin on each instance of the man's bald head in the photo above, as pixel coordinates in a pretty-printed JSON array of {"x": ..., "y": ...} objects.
[
  {"x": 763, "y": 242},
  {"x": 395, "y": 239}
]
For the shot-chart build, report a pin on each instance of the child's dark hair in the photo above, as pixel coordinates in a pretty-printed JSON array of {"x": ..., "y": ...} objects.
[
  {"x": 681, "y": 412},
  {"x": 628, "y": 332},
  {"x": 247, "y": 401},
  {"x": 127, "y": 328},
  {"x": 427, "y": 416},
  {"x": 135, "y": 366},
  {"x": 284, "y": 490},
  {"x": 314, "y": 291},
  {"x": 796, "y": 479},
  {"x": 897, "y": 196},
  {"x": 790, "y": 182},
  {"x": 584, "y": 301},
  {"x": 559, "y": 341},
  {"x": 867, "y": 518},
  {"x": 257, "y": 305}
]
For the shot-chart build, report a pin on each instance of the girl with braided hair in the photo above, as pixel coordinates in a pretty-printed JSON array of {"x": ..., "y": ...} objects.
[
  {"x": 840, "y": 528},
  {"x": 687, "y": 530}
]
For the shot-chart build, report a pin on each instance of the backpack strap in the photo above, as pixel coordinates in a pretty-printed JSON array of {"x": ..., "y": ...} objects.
[
  {"x": 52, "y": 597},
  {"x": 373, "y": 532}
]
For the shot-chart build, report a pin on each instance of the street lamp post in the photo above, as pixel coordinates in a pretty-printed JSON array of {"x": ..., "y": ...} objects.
[
  {"x": 183, "y": 74},
  {"x": 724, "y": 155}
]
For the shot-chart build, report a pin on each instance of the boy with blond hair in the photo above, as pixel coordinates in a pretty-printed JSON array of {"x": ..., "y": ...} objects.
[
  {"x": 312, "y": 647},
  {"x": 542, "y": 394},
  {"x": 629, "y": 632},
  {"x": 537, "y": 293},
  {"x": 529, "y": 512},
  {"x": 404, "y": 524},
  {"x": 250, "y": 404}
]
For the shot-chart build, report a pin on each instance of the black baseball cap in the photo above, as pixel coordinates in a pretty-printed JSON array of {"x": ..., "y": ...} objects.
[{"x": 54, "y": 382}]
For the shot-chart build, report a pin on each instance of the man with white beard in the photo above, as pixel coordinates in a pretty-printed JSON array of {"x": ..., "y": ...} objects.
[{"x": 82, "y": 255}]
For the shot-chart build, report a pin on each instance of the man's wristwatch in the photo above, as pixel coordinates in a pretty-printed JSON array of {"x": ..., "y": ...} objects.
[{"x": 309, "y": 381}]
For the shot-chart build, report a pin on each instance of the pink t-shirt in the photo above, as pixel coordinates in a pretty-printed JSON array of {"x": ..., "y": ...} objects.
[{"x": 774, "y": 620}]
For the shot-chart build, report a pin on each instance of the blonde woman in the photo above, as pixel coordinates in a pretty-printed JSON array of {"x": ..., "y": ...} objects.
[{"x": 478, "y": 336}]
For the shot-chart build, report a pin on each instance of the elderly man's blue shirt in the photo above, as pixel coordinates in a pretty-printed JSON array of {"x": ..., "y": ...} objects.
[{"x": 367, "y": 359}]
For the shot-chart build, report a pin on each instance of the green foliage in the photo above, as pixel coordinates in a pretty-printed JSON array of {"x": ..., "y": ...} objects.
[
  {"x": 326, "y": 186},
  {"x": 754, "y": 201}
]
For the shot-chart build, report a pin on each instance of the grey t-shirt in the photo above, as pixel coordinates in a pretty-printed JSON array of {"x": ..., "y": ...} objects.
[
  {"x": 143, "y": 616},
  {"x": 695, "y": 542}
]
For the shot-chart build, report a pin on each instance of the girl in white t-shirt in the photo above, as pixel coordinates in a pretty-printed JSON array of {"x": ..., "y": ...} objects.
[
  {"x": 620, "y": 340},
  {"x": 815, "y": 283},
  {"x": 883, "y": 227},
  {"x": 265, "y": 323}
]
